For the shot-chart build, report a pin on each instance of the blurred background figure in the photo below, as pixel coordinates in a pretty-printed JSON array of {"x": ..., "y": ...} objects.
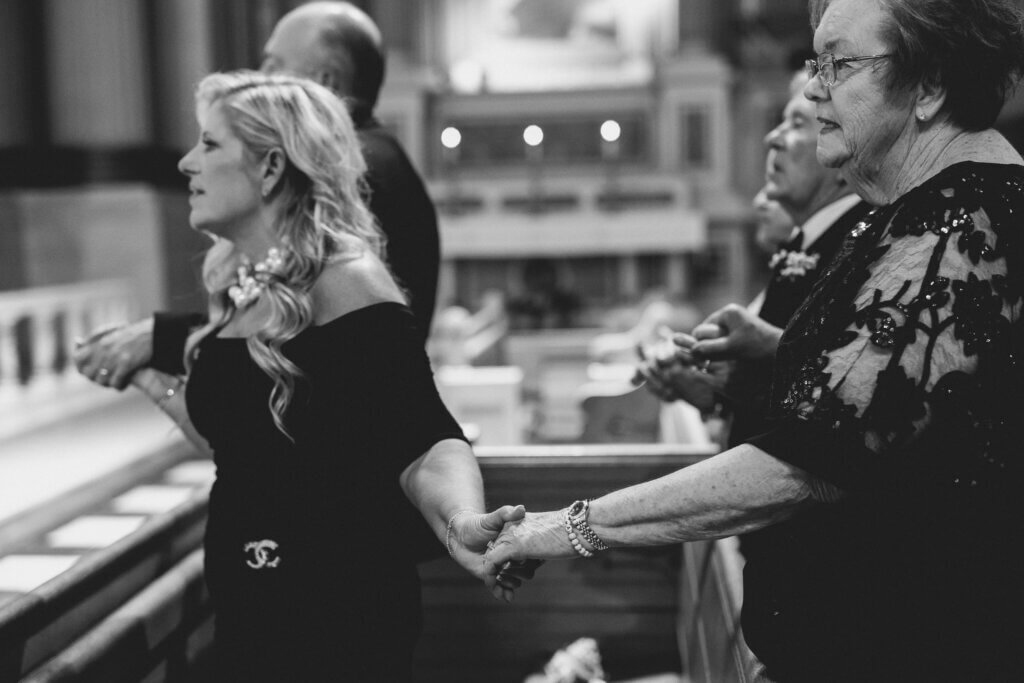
[{"x": 774, "y": 224}]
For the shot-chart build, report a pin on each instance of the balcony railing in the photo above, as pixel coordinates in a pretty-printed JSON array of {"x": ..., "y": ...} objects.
[{"x": 38, "y": 330}]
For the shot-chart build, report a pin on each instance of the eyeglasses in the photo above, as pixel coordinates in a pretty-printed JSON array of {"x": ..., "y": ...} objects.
[{"x": 825, "y": 66}]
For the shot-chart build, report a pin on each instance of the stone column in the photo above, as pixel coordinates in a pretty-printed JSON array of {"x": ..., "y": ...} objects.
[
  {"x": 16, "y": 74},
  {"x": 696, "y": 25},
  {"x": 98, "y": 68},
  {"x": 184, "y": 54}
]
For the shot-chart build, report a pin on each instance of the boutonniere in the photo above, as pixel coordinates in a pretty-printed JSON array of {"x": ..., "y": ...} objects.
[{"x": 793, "y": 264}]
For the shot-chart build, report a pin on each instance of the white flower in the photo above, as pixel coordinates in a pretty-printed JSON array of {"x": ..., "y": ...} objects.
[{"x": 793, "y": 264}]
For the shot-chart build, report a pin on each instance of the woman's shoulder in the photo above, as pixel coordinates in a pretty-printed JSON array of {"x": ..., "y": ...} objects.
[
  {"x": 946, "y": 201},
  {"x": 352, "y": 283}
]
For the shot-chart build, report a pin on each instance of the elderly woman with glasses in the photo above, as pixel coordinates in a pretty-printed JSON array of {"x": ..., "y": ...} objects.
[{"x": 894, "y": 461}]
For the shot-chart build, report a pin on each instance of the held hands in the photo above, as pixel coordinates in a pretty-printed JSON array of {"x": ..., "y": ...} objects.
[
  {"x": 537, "y": 536},
  {"x": 110, "y": 356},
  {"x": 472, "y": 535}
]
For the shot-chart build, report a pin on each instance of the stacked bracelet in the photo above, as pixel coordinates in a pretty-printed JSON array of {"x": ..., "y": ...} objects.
[
  {"x": 448, "y": 530},
  {"x": 577, "y": 515},
  {"x": 576, "y": 545}
]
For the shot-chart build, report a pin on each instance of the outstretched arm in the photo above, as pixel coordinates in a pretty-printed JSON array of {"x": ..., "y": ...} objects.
[
  {"x": 446, "y": 485},
  {"x": 737, "y": 491}
]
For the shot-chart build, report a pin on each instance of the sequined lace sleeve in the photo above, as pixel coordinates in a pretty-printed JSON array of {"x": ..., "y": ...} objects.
[{"x": 907, "y": 359}]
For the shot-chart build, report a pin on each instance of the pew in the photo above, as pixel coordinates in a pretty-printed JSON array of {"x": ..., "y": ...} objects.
[{"x": 138, "y": 609}]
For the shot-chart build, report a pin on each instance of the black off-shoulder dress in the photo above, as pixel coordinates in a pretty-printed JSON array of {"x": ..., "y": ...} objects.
[
  {"x": 900, "y": 381},
  {"x": 309, "y": 579}
]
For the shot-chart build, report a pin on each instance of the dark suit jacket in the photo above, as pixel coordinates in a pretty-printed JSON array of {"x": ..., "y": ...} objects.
[
  {"x": 751, "y": 381},
  {"x": 399, "y": 200}
]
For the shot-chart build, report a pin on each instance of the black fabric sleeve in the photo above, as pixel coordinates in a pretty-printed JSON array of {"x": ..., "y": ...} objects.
[
  {"x": 170, "y": 330},
  {"x": 377, "y": 356},
  {"x": 911, "y": 386},
  {"x": 411, "y": 415}
]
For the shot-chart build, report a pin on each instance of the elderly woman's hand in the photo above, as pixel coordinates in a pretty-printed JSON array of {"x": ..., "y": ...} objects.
[
  {"x": 472, "y": 534},
  {"x": 538, "y": 536}
]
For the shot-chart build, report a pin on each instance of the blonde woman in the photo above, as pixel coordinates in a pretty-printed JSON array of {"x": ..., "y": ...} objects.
[{"x": 311, "y": 386}]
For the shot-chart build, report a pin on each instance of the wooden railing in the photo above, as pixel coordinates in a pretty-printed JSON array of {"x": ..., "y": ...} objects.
[
  {"x": 138, "y": 610},
  {"x": 38, "y": 329}
]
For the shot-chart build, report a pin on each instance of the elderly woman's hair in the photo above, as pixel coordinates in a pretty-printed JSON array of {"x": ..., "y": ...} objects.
[
  {"x": 974, "y": 49},
  {"x": 324, "y": 217}
]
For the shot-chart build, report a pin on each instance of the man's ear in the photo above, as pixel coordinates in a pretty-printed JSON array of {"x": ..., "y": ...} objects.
[
  {"x": 272, "y": 171},
  {"x": 326, "y": 78}
]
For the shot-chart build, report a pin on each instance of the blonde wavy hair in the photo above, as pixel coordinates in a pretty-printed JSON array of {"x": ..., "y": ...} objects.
[{"x": 324, "y": 217}]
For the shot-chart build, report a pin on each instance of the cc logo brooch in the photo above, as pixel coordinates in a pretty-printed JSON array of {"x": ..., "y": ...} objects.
[{"x": 264, "y": 554}]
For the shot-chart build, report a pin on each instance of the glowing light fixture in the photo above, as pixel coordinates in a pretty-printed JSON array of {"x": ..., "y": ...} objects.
[
  {"x": 610, "y": 131},
  {"x": 533, "y": 135},
  {"x": 451, "y": 137}
]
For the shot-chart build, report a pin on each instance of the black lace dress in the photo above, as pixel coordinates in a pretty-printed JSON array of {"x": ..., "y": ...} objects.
[
  {"x": 899, "y": 380},
  {"x": 309, "y": 578}
]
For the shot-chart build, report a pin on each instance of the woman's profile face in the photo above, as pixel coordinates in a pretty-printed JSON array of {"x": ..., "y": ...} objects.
[
  {"x": 224, "y": 180},
  {"x": 861, "y": 121}
]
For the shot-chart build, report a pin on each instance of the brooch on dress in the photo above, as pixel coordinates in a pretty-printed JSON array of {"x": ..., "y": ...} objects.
[
  {"x": 793, "y": 264},
  {"x": 264, "y": 554},
  {"x": 252, "y": 279}
]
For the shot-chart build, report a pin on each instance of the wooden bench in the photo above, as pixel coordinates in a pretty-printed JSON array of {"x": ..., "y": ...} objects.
[{"x": 138, "y": 609}]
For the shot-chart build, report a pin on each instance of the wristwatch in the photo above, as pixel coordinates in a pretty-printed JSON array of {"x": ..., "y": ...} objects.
[{"x": 577, "y": 515}]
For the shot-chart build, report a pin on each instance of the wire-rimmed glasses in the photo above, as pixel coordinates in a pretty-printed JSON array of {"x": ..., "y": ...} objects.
[{"x": 826, "y": 65}]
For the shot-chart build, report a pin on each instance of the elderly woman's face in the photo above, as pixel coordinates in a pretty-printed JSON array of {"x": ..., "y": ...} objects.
[
  {"x": 860, "y": 120},
  {"x": 224, "y": 181}
]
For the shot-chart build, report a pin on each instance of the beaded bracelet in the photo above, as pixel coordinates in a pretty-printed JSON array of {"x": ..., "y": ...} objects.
[
  {"x": 448, "y": 530},
  {"x": 576, "y": 545},
  {"x": 577, "y": 514}
]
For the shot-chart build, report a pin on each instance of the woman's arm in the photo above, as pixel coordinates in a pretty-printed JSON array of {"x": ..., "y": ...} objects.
[
  {"x": 167, "y": 392},
  {"x": 443, "y": 481},
  {"x": 740, "y": 490},
  {"x": 446, "y": 485}
]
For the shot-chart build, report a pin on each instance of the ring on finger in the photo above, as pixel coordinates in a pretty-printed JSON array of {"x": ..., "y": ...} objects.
[{"x": 103, "y": 372}]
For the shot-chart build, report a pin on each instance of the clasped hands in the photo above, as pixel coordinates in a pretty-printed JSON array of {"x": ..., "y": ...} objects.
[
  {"x": 696, "y": 367},
  {"x": 504, "y": 548}
]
